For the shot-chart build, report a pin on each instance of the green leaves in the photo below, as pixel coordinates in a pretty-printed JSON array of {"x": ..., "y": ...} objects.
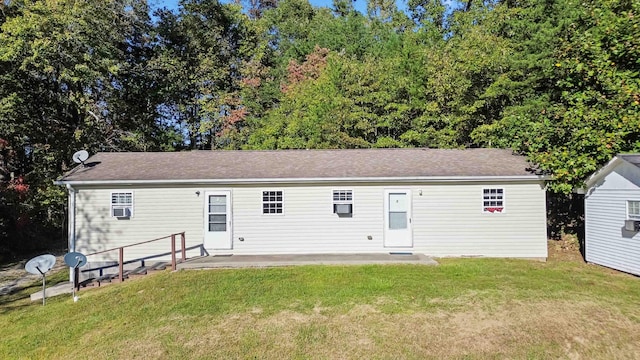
[
  {"x": 202, "y": 54},
  {"x": 575, "y": 82},
  {"x": 61, "y": 64},
  {"x": 555, "y": 80}
]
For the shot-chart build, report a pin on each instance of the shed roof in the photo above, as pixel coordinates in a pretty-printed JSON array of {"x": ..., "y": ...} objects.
[
  {"x": 239, "y": 165},
  {"x": 633, "y": 159}
]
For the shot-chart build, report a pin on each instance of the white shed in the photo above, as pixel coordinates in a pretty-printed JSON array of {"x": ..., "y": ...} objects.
[
  {"x": 473, "y": 202},
  {"x": 612, "y": 215}
]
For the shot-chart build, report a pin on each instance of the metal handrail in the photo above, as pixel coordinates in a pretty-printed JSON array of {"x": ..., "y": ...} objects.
[{"x": 173, "y": 252}]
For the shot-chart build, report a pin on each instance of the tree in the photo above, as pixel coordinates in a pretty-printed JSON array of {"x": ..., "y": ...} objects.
[
  {"x": 60, "y": 63},
  {"x": 311, "y": 113},
  {"x": 589, "y": 108},
  {"x": 200, "y": 57}
]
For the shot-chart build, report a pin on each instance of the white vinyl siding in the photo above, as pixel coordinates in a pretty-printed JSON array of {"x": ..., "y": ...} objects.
[
  {"x": 607, "y": 208},
  {"x": 158, "y": 212},
  {"x": 445, "y": 220},
  {"x": 308, "y": 226},
  {"x": 606, "y": 241}
]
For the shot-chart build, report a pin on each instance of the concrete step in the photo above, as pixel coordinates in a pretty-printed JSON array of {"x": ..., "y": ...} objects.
[
  {"x": 111, "y": 277},
  {"x": 159, "y": 266},
  {"x": 142, "y": 270},
  {"x": 87, "y": 282},
  {"x": 58, "y": 289},
  {"x": 67, "y": 287}
]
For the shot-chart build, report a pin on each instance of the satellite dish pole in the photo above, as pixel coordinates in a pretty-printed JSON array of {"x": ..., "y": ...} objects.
[
  {"x": 75, "y": 260},
  {"x": 40, "y": 265},
  {"x": 79, "y": 157}
]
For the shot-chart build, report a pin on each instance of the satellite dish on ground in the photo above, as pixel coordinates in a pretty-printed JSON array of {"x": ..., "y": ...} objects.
[
  {"x": 40, "y": 265},
  {"x": 79, "y": 157},
  {"x": 75, "y": 260}
]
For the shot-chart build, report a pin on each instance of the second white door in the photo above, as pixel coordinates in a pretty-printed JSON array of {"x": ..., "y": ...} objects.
[{"x": 397, "y": 218}]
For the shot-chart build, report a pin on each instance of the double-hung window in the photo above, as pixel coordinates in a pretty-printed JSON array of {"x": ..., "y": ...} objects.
[
  {"x": 633, "y": 210},
  {"x": 343, "y": 202},
  {"x": 122, "y": 204},
  {"x": 493, "y": 200},
  {"x": 272, "y": 202}
]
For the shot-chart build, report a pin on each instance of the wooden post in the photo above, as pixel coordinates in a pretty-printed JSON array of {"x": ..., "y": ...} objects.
[
  {"x": 76, "y": 278},
  {"x": 183, "y": 244},
  {"x": 121, "y": 264},
  {"x": 173, "y": 252}
]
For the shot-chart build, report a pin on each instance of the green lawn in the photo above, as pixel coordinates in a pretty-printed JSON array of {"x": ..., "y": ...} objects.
[{"x": 463, "y": 308}]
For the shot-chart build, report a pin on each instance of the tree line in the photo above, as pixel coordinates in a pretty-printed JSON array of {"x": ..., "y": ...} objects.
[{"x": 555, "y": 80}]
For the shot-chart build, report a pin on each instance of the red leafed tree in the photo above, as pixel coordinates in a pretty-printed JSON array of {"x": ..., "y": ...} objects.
[
  {"x": 233, "y": 117},
  {"x": 311, "y": 68}
]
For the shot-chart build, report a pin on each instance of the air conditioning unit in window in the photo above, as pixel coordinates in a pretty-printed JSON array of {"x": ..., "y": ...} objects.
[
  {"x": 121, "y": 211},
  {"x": 632, "y": 225},
  {"x": 343, "y": 209}
]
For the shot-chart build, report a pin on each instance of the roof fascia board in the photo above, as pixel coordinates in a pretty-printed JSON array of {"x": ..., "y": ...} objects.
[
  {"x": 605, "y": 170},
  {"x": 310, "y": 180}
]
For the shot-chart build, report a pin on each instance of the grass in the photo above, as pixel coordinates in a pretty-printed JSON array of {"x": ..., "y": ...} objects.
[{"x": 463, "y": 308}]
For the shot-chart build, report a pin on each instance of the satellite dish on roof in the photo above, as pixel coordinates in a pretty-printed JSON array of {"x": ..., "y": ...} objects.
[
  {"x": 40, "y": 265},
  {"x": 79, "y": 157}
]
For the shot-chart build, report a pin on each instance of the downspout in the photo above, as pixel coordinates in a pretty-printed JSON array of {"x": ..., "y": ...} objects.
[{"x": 71, "y": 237}]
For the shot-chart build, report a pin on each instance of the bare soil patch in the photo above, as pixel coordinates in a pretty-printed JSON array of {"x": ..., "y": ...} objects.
[{"x": 567, "y": 248}]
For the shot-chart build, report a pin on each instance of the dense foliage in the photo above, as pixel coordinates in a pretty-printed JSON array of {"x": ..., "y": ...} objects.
[{"x": 556, "y": 80}]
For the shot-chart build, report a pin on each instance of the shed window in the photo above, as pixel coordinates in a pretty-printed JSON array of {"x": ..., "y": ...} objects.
[
  {"x": 121, "y": 204},
  {"x": 633, "y": 209},
  {"x": 493, "y": 200},
  {"x": 343, "y": 202},
  {"x": 272, "y": 202}
]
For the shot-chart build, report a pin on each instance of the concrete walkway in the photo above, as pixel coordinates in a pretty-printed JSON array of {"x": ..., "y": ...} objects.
[
  {"x": 54, "y": 290},
  {"x": 244, "y": 261}
]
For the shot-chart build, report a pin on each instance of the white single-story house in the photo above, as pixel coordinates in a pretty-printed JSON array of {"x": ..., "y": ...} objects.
[
  {"x": 612, "y": 215},
  {"x": 472, "y": 202}
]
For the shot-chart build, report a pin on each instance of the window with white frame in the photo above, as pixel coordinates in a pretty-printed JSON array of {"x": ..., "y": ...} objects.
[
  {"x": 121, "y": 204},
  {"x": 272, "y": 202},
  {"x": 633, "y": 210},
  {"x": 343, "y": 202},
  {"x": 493, "y": 200}
]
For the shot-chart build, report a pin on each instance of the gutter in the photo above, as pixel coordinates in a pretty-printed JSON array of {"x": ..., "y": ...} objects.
[
  {"x": 72, "y": 226},
  {"x": 421, "y": 179}
]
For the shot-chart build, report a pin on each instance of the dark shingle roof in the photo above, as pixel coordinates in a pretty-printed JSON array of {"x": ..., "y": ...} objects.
[
  {"x": 299, "y": 164},
  {"x": 631, "y": 158}
]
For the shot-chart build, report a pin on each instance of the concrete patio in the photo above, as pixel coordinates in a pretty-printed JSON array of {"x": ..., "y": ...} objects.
[{"x": 244, "y": 261}]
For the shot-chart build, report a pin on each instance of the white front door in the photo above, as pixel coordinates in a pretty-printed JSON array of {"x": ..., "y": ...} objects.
[
  {"x": 397, "y": 218},
  {"x": 217, "y": 220}
]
